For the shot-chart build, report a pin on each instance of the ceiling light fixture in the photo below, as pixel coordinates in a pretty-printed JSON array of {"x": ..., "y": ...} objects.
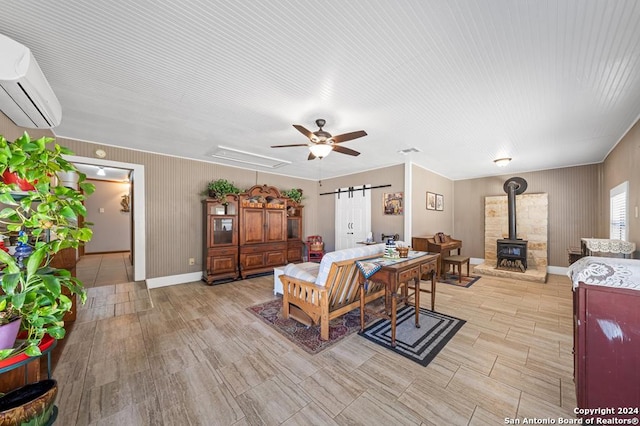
[
  {"x": 501, "y": 162},
  {"x": 320, "y": 150},
  {"x": 101, "y": 172}
]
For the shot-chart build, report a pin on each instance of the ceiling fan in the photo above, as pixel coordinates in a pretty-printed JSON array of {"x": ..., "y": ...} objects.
[{"x": 321, "y": 143}]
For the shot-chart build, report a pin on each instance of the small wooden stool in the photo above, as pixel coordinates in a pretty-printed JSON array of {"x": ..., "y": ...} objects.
[{"x": 456, "y": 261}]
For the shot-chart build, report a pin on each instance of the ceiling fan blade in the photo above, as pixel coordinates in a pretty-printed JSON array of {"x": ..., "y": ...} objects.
[
  {"x": 304, "y": 131},
  {"x": 286, "y": 146},
  {"x": 343, "y": 150},
  {"x": 349, "y": 136},
  {"x": 311, "y": 156}
]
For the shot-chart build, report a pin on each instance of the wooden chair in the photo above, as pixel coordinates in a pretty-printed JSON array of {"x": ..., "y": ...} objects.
[
  {"x": 315, "y": 248},
  {"x": 310, "y": 303}
]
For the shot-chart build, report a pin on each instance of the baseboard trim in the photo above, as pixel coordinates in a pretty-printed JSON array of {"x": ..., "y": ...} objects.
[
  {"x": 557, "y": 270},
  {"x": 173, "y": 280}
]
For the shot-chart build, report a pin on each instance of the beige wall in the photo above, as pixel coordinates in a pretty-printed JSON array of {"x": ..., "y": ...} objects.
[
  {"x": 619, "y": 166},
  {"x": 428, "y": 222},
  {"x": 173, "y": 201},
  {"x": 111, "y": 226},
  {"x": 574, "y": 197},
  {"x": 380, "y": 223},
  {"x": 578, "y": 200}
]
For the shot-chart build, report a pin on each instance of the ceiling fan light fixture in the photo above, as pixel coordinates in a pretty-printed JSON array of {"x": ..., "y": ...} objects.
[
  {"x": 501, "y": 162},
  {"x": 320, "y": 150}
]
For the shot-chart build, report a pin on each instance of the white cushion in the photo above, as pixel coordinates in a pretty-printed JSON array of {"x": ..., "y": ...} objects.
[
  {"x": 301, "y": 271},
  {"x": 345, "y": 254}
]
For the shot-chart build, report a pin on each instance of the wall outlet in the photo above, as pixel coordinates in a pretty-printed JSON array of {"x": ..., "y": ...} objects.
[{"x": 192, "y": 261}]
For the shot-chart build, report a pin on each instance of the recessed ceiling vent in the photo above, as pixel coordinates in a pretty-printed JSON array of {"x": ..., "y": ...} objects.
[
  {"x": 408, "y": 151},
  {"x": 244, "y": 157}
]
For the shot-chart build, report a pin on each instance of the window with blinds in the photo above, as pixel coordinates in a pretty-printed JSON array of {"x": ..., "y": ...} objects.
[{"x": 618, "y": 200}]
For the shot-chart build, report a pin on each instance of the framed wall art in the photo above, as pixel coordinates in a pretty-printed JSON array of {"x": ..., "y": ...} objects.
[
  {"x": 439, "y": 202},
  {"x": 431, "y": 201},
  {"x": 392, "y": 203}
]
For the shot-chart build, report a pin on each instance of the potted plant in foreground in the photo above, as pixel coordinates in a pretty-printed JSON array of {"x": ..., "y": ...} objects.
[{"x": 46, "y": 218}]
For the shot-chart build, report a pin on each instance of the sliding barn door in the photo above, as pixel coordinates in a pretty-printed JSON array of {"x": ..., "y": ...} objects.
[{"x": 353, "y": 216}]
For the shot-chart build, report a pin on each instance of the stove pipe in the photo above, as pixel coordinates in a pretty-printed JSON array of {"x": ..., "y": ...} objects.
[{"x": 513, "y": 186}]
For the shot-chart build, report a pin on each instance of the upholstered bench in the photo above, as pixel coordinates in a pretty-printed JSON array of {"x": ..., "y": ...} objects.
[{"x": 455, "y": 261}]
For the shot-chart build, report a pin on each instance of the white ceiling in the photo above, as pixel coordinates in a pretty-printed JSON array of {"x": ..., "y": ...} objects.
[{"x": 549, "y": 83}]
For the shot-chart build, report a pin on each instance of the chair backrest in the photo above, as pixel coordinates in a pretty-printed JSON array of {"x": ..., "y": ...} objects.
[
  {"x": 314, "y": 239},
  {"x": 439, "y": 238}
]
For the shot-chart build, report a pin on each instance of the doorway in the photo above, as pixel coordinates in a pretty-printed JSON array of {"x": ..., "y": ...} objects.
[
  {"x": 353, "y": 216},
  {"x": 136, "y": 205}
]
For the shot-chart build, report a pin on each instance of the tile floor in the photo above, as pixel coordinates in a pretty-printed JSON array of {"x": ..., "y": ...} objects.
[
  {"x": 196, "y": 356},
  {"x": 96, "y": 270}
]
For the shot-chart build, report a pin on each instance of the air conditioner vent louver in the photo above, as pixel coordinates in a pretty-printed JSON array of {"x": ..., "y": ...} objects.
[{"x": 25, "y": 95}]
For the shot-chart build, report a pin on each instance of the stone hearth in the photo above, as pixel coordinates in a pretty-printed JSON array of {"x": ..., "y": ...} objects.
[{"x": 530, "y": 274}]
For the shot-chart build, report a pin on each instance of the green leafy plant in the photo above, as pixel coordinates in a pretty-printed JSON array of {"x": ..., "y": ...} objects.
[
  {"x": 221, "y": 188},
  {"x": 7, "y": 313},
  {"x": 293, "y": 194},
  {"x": 48, "y": 216}
]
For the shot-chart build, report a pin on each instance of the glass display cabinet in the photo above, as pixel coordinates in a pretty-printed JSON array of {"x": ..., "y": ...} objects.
[{"x": 221, "y": 240}]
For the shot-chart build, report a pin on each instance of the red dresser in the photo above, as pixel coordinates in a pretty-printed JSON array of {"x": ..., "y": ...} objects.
[{"x": 607, "y": 338}]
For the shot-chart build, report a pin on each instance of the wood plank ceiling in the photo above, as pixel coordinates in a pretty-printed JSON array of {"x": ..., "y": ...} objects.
[{"x": 548, "y": 83}]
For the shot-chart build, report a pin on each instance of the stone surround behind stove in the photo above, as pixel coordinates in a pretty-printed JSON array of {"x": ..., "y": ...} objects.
[{"x": 532, "y": 219}]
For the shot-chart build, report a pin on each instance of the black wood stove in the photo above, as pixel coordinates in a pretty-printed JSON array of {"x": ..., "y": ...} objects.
[{"x": 512, "y": 252}]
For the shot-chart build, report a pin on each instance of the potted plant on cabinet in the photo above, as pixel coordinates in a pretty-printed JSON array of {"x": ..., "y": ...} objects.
[
  {"x": 294, "y": 194},
  {"x": 46, "y": 218},
  {"x": 220, "y": 188}
]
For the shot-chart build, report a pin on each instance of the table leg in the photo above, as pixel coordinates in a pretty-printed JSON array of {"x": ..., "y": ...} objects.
[
  {"x": 433, "y": 291},
  {"x": 417, "y": 301},
  {"x": 361, "y": 307},
  {"x": 394, "y": 306}
]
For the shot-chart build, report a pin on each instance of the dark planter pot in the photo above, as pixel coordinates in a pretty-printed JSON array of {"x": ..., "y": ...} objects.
[{"x": 32, "y": 404}]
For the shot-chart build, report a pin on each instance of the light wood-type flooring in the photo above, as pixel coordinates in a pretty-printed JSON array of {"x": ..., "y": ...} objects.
[
  {"x": 95, "y": 270},
  {"x": 193, "y": 355}
]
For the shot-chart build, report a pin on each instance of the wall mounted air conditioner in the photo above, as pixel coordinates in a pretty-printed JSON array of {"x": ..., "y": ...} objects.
[{"x": 25, "y": 95}]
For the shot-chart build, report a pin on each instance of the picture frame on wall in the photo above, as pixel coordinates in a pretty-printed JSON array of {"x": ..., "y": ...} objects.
[
  {"x": 431, "y": 201},
  {"x": 439, "y": 202},
  {"x": 392, "y": 203}
]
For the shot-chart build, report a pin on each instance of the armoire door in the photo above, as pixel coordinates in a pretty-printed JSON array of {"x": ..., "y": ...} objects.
[
  {"x": 276, "y": 221},
  {"x": 353, "y": 216},
  {"x": 252, "y": 230}
]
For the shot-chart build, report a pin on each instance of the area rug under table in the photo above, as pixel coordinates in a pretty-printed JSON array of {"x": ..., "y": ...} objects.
[
  {"x": 418, "y": 344},
  {"x": 453, "y": 280},
  {"x": 307, "y": 337}
]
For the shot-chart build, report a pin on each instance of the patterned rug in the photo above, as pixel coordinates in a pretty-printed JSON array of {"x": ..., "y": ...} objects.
[
  {"x": 308, "y": 337},
  {"x": 453, "y": 280},
  {"x": 418, "y": 344}
]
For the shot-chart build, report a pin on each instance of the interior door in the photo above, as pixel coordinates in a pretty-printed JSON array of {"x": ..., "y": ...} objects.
[{"x": 353, "y": 216}]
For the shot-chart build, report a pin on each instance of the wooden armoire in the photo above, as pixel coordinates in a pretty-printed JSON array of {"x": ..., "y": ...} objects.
[
  {"x": 251, "y": 234},
  {"x": 263, "y": 230}
]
